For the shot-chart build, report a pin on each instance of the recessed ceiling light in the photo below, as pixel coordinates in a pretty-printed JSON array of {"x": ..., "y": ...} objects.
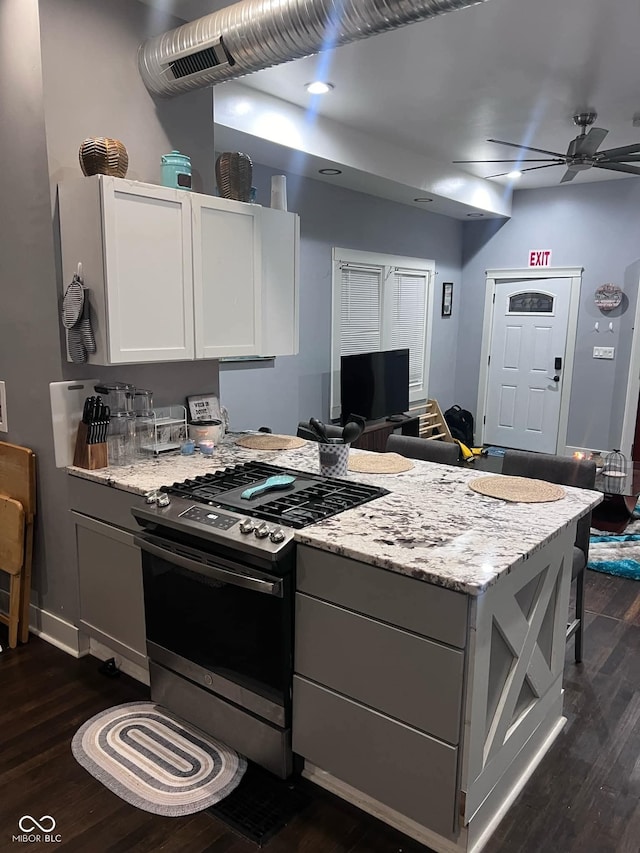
[
  {"x": 330, "y": 171},
  {"x": 423, "y": 199},
  {"x": 515, "y": 174},
  {"x": 318, "y": 87},
  {"x": 475, "y": 215}
]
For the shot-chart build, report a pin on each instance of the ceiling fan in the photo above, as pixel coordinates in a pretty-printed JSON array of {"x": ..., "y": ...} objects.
[{"x": 582, "y": 153}]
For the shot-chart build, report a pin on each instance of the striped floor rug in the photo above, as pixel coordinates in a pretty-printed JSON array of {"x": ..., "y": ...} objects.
[
  {"x": 617, "y": 555},
  {"x": 155, "y": 761}
]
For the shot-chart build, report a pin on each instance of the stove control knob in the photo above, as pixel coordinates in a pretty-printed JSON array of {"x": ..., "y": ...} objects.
[
  {"x": 277, "y": 535},
  {"x": 163, "y": 500},
  {"x": 151, "y": 498},
  {"x": 247, "y": 526},
  {"x": 262, "y": 531}
]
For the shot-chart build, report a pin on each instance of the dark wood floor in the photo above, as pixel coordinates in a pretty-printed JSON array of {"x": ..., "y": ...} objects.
[{"x": 584, "y": 797}]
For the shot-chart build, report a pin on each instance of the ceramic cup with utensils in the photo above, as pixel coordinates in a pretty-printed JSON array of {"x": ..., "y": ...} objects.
[{"x": 334, "y": 458}]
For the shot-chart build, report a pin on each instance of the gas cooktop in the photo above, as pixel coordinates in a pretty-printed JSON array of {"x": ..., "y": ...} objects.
[{"x": 308, "y": 499}]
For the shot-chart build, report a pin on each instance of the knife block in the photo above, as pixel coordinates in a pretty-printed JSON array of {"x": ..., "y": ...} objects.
[{"x": 89, "y": 456}]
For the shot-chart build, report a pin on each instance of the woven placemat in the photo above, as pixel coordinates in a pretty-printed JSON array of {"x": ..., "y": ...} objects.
[
  {"x": 379, "y": 463},
  {"x": 269, "y": 441},
  {"x": 517, "y": 489}
]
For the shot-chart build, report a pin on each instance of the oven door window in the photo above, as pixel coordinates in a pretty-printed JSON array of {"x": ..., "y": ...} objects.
[{"x": 238, "y": 633}]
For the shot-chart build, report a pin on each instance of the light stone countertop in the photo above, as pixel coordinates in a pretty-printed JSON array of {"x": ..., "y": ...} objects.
[{"x": 431, "y": 526}]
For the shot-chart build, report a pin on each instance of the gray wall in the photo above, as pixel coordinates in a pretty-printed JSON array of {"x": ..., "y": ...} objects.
[
  {"x": 29, "y": 343},
  {"x": 84, "y": 51},
  {"x": 92, "y": 88},
  {"x": 293, "y": 388},
  {"x": 594, "y": 226}
]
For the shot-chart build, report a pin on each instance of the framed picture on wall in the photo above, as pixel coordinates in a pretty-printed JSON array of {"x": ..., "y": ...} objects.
[{"x": 447, "y": 298}]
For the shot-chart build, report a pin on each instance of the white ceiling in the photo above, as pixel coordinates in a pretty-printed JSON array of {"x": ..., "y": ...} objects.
[{"x": 515, "y": 70}]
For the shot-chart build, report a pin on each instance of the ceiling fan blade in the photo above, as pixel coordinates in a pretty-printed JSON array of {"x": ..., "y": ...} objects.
[
  {"x": 621, "y": 152},
  {"x": 537, "y": 160},
  {"x": 569, "y": 175},
  {"x": 527, "y": 148},
  {"x": 618, "y": 167},
  {"x": 530, "y": 169},
  {"x": 629, "y": 158},
  {"x": 588, "y": 144}
]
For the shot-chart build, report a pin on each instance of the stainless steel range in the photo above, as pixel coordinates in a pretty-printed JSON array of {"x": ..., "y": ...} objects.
[{"x": 218, "y": 562}]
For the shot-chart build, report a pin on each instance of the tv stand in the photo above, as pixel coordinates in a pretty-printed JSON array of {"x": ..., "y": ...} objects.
[{"x": 375, "y": 434}]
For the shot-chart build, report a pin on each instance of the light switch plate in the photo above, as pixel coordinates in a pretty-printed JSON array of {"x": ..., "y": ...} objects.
[{"x": 603, "y": 352}]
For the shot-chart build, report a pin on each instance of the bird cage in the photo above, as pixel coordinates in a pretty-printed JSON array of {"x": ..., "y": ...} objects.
[
  {"x": 615, "y": 464},
  {"x": 615, "y": 472}
]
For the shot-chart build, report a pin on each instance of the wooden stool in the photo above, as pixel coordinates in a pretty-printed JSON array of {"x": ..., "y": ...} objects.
[
  {"x": 18, "y": 481},
  {"x": 12, "y": 560}
]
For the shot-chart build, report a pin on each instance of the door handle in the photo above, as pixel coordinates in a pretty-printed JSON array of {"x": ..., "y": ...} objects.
[{"x": 556, "y": 378}]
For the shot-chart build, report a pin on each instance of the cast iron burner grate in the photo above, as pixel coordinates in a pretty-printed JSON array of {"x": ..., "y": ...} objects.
[
  {"x": 261, "y": 805},
  {"x": 312, "y": 498}
]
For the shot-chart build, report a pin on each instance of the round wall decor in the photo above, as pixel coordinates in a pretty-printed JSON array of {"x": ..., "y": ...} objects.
[{"x": 608, "y": 297}]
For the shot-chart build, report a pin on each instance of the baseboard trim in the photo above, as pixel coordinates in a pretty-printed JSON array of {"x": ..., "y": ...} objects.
[{"x": 51, "y": 628}]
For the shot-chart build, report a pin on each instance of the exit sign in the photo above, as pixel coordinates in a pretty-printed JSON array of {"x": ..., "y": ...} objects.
[{"x": 540, "y": 258}]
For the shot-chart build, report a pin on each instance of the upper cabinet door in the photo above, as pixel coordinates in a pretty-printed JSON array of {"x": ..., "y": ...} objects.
[
  {"x": 148, "y": 271},
  {"x": 227, "y": 277}
]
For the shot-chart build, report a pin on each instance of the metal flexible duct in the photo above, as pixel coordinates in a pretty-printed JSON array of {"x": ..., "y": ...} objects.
[{"x": 255, "y": 34}]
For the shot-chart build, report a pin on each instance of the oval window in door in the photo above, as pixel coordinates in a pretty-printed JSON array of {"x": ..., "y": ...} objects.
[{"x": 531, "y": 302}]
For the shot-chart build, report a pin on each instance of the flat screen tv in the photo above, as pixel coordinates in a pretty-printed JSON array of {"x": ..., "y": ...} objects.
[{"x": 374, "y": 384}]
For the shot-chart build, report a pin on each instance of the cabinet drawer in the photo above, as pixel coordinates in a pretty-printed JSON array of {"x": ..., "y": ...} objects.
[
  {"x": 393, "y": 763},
  {"x": 412, "y": 679},
  {"x": 423, "y": 608}
]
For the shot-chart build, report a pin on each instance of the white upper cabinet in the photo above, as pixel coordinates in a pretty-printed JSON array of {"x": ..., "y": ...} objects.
[
  {"x": 227, "y": 277},
  {"x": 147, "y": 261},
  {"x": 173, "y": 275}
]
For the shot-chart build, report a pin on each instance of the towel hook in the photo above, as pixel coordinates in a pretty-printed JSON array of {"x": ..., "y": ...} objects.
[{"x": 79, "y": 273}]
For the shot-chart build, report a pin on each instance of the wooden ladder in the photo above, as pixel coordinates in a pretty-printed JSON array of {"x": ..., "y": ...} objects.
[{"x": 432, "y": 423}]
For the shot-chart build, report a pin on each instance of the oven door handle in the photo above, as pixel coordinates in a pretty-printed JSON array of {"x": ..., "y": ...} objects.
[{"x": 233, "y": 578}]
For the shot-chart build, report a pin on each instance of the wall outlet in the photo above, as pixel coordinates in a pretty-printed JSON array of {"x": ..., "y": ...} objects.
[{"x": 603, "y": 352}]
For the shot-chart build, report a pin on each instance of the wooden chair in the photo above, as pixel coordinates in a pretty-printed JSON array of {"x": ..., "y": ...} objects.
[
  {"x": 565, "y": 471},
  {"x": 418, "y": 448},
  {"x": 18, "y": 483}
]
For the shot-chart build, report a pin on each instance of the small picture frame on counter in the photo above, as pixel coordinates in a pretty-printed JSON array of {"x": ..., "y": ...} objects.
[
  {"x": 447, "y": 298},
  {"x": 203, "y": 407}
]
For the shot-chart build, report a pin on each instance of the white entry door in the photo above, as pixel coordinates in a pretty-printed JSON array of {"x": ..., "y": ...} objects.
[{"x": 526, "y": 363}]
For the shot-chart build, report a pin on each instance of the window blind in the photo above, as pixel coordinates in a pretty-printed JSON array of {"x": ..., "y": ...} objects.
[
  {"x": 408, "y": 319},
  {"x": 360, "y": 309}
]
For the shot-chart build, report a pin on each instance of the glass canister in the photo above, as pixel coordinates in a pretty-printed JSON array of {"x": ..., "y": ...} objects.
[
  {"x": 119, "y": 396},
  {"x": 121, "y": 439},
  {"x": 175, "y": 171},
  {"x": 143, "y": 408}
]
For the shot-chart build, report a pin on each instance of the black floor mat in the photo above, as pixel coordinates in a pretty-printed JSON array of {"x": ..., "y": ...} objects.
[{"x": 261, "y": 805}]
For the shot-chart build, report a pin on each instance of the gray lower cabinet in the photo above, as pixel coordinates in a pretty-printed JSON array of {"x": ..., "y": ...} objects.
[
  {"x": 403, "y": 675},
  {"x": 395, "y": 764},
  {"x": 378, "y": 691},
  {"x": 110, "y": 581}
]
